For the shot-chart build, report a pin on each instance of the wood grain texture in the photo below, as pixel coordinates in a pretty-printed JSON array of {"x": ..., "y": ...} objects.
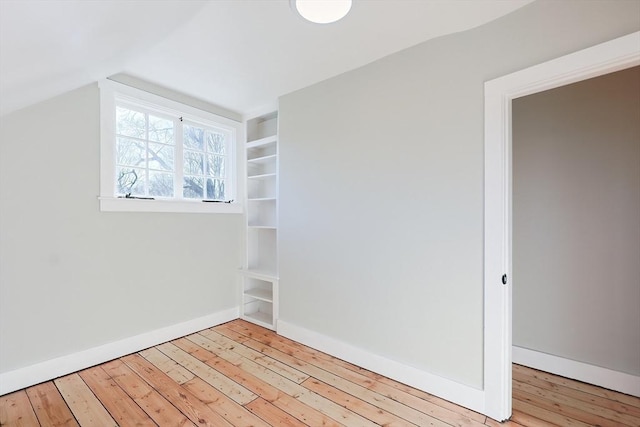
[
  {"x": 16, "y": 410},
  {"x": 121, "y": 407},
  {"x": 49, "y": 406},
  {"x": 84, "y": 405},
  {"x": 242, "y": 375},
  {"x": 157, "y": 407},
  {"x": 197, "y": 411}
]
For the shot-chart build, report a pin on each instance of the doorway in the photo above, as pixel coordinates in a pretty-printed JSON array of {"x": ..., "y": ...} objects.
[
  {"x": 576, "y": 230},
  {"x": 602, "y": 59}
]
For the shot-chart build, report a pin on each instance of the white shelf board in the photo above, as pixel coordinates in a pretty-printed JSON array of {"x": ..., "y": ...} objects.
[
  {"x": 260, "y": 274},
  {"x": 262, "y": 199},
  {"x": 263, "y": 227},
  {"x": 263, "y": 159},
  {"x": 263, "y": 176},
  {"x": 260, "y": 318},
  {"x": 261, "y": 294},
  {"x": 262, "y": 141}
]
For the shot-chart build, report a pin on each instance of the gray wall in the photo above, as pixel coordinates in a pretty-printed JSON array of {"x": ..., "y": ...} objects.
[
  {"x": 576, "y": 221},
  {"x": 71, "y": 277},
  {"x": 381, "y": 196}
]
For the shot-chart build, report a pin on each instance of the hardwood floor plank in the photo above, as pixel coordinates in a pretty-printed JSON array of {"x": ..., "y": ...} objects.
[
  {"x": 227, "y": 386},
  {"x": 434, "y": 399},
  {"x": 354, "y": 404},
  {"x": 255, "y": 330},
  {"x": 49, "y": 406},
  {"x": 528, "y": 420},
  {"x": 16, "y": 410},
  {"x": 576, "y": 394},
  {"x": 122, "y": 408},
  {"x": 327, "y": 363},
  {"x": 257, "y": 357},
  {"x": 410, "y": 414},
  {"x": 493, "y": 423},
  {"x": 246, "y": 365},
  {"x": 157, "y": 407},
  {"x": 329, "y": 407},
  {"x": 545, "y": 414},
  {"x": 178, "y": 373},
  {"x": 230, "y": 333},
  {"x": 563, "y": 409},
  {"x": 273, "y": 415},
  {"x": 285, "y": 394},
  {"x": 578, "y": 385},
  {"x": 236, "y": 414},
  {"x": 586, "y": 407},
  {"x": 198, "y": 412},
  {"x": 84, "y": 405},
  {"x": 268, "y": 391},
  {"x": 452, "y": 417}
]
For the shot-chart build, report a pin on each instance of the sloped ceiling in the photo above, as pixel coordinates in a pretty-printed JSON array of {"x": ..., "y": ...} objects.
[{"x": 237, "y": 54}]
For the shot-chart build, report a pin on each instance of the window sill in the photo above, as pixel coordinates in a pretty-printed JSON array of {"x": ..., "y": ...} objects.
[{"x": 114, "y": 204}]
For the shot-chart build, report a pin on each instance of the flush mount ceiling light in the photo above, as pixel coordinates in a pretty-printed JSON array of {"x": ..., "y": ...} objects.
[{"x": 322, "y": 11}]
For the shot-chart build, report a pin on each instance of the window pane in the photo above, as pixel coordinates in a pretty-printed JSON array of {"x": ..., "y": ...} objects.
[
  {"x": 130, "y": 180},
  {"x": 193, "y": 163},
  {"x": 215, "y": 189},
  {"x": 192, "y": 187},
  {"x": 160, "y": 184},
  {"x": 130, "y": 152},
  {"x": 215, "y": 143},
  {"x": 130, "y": 123},
  {"x": 193, "y": 137},
  {"x": 160, "y": 156},
  {"x": 215, "y": 166},
  {"x": 160, "y": 130}
]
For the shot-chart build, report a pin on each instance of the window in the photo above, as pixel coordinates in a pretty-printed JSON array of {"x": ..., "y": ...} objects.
[{"x": 160, "y": 155}]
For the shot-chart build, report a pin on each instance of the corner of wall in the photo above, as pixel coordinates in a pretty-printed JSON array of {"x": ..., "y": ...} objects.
[{"x": 54, "y": 368}]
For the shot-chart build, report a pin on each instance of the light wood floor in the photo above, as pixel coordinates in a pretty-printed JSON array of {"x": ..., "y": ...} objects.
[{"x": 239, "y": 374}]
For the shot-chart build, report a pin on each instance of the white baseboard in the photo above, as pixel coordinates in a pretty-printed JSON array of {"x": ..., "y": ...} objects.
[
  {"x": 603, "y": 377},
  {"x": 54, "y": 368},
  {"x": 460, "y": 394}
]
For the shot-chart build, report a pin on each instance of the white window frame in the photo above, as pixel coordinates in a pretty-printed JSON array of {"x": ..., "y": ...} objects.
[{"x": 112, "y": 92}]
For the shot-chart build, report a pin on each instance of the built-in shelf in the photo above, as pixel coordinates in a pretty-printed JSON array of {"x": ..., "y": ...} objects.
[
  {"x": 259, "y": 274},
  {"x": 259, "y": 290},
  {"x": 261, "y": 294},
  {"x": 264, "y": 159},
  {"x": 260, "y": 318},
  {"x": 262, "y": 176},
  {"x": 272, "y": 139}
]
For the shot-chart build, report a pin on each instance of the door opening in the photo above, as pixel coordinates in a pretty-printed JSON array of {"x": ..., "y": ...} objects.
[{"x": 604, "y": 58}]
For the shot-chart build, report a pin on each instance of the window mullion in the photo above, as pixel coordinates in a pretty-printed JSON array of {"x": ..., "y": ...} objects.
[
  {"x": 205, "y": 166},
  {"x": 178, "y": 176},
  {"x": 146, "y": 149}
]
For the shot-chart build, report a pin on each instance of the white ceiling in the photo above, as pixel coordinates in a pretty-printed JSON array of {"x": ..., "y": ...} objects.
[{"x": 238, "y": 54}]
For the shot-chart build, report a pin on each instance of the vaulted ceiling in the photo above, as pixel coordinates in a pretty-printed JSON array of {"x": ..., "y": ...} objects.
[{"x": 238, "y": 54}]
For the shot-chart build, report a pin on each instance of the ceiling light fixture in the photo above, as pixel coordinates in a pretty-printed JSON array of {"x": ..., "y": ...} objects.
[{"x": 322, "y": 11}]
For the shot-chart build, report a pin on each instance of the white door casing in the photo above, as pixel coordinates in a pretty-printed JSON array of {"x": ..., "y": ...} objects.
[{"x": 608, "y": 57}]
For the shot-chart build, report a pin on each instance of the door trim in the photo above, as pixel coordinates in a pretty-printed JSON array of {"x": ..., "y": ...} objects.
[{"x": 608, "y": 57}]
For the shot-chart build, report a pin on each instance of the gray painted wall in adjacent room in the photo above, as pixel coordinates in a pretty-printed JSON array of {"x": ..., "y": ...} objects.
[{"x": 576, "y": 221}]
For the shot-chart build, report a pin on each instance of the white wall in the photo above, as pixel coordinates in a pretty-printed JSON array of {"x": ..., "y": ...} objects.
[
  {"x": 73, "y": 278},
  {"x": 381, "y": 206},
  {"x": 576, "y": 221}
]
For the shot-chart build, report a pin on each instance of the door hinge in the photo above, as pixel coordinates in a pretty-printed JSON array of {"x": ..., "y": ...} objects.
[{"x": 504, "y": 279}]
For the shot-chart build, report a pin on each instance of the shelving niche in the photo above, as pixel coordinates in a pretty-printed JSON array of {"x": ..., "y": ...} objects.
[{"x": 259, "y": 290}]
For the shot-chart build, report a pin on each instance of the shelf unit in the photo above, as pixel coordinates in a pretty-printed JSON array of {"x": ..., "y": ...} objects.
[{"x": 259, "y": 290}]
